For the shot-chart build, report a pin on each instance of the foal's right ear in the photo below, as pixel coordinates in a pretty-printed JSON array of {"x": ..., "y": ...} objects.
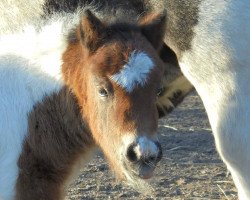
[{"x": 91, "y": 31}]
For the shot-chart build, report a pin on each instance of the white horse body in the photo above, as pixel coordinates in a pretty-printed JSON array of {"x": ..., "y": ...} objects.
[{"x": 218, "y": 65}]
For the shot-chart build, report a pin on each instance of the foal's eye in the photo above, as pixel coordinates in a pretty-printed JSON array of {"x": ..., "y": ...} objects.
[
  {"x": 103, "y": 92},
  {"x": 160, "y": 91}
]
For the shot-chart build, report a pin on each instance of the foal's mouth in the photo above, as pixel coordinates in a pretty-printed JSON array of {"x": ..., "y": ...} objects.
[{"x": 143, "y": 169}]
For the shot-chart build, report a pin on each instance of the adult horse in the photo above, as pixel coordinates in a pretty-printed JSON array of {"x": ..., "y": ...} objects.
[
  {"x": 72, "y": 80},
  {"x": 212, "y": 42}
]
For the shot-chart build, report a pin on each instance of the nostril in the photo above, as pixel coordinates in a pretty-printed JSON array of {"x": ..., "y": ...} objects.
[
  {"x": 131, "y": 154},
  {"x": 152, "y": 158}
]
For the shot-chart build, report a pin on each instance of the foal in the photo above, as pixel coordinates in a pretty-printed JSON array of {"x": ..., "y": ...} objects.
[{"x": 54, "y": 114}]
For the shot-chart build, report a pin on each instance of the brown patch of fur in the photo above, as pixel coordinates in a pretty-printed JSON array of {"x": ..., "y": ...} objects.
[{"x": 57, "y": 137}]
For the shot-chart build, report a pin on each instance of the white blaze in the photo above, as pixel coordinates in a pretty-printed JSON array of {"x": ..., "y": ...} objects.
[{"x": 135, "y": 72}]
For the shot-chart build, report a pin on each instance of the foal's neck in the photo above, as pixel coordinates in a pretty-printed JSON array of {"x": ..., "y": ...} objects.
[{"x": 57, "y": 139}]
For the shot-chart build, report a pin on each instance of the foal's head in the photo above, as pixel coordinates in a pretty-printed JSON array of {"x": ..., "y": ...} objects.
[{"x": 115, "y": 73}]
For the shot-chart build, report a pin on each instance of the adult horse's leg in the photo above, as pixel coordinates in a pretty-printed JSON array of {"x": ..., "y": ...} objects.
[
  {"x": 228, "y": 112},
  {"x": 217, "y": 62}
]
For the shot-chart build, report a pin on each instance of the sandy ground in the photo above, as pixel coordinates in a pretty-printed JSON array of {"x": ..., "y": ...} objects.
[{"x": 190, "y": 169}]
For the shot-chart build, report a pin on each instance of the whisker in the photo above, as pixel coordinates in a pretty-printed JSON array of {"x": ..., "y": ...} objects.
[{"x": 150, "y": 164}]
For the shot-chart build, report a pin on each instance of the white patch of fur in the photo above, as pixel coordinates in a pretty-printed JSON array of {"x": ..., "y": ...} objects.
[
  {"x": 218, "y": 65},
  {"x": 15, "y": 14},
  {"x": 135, "y": 72},
  {"x": 128, "y": 139},
  {"x": 43, "y": 45},
  {"x": 146, "y": 147}
]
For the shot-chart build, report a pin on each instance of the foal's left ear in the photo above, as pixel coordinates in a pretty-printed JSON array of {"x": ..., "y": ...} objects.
[
  {"x": 92, "y": 31},
  {"x": 153, "y": 28}
]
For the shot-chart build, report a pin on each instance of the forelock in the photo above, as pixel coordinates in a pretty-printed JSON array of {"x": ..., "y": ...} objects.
[{"x": 135, "y": 72}]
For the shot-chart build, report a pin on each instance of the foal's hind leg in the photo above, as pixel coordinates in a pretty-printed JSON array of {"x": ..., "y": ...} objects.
[{"x": 175, "y": 85}]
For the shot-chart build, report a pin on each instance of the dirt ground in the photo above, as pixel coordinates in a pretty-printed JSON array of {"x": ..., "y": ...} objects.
[{"x": 190, "y": 169}]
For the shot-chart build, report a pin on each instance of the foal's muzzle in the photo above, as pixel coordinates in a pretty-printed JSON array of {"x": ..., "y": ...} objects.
[{"x": 142, "y": 157}]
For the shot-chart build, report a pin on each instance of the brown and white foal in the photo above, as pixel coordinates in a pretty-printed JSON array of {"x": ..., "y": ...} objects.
[{"x": 55, "y": 113}]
